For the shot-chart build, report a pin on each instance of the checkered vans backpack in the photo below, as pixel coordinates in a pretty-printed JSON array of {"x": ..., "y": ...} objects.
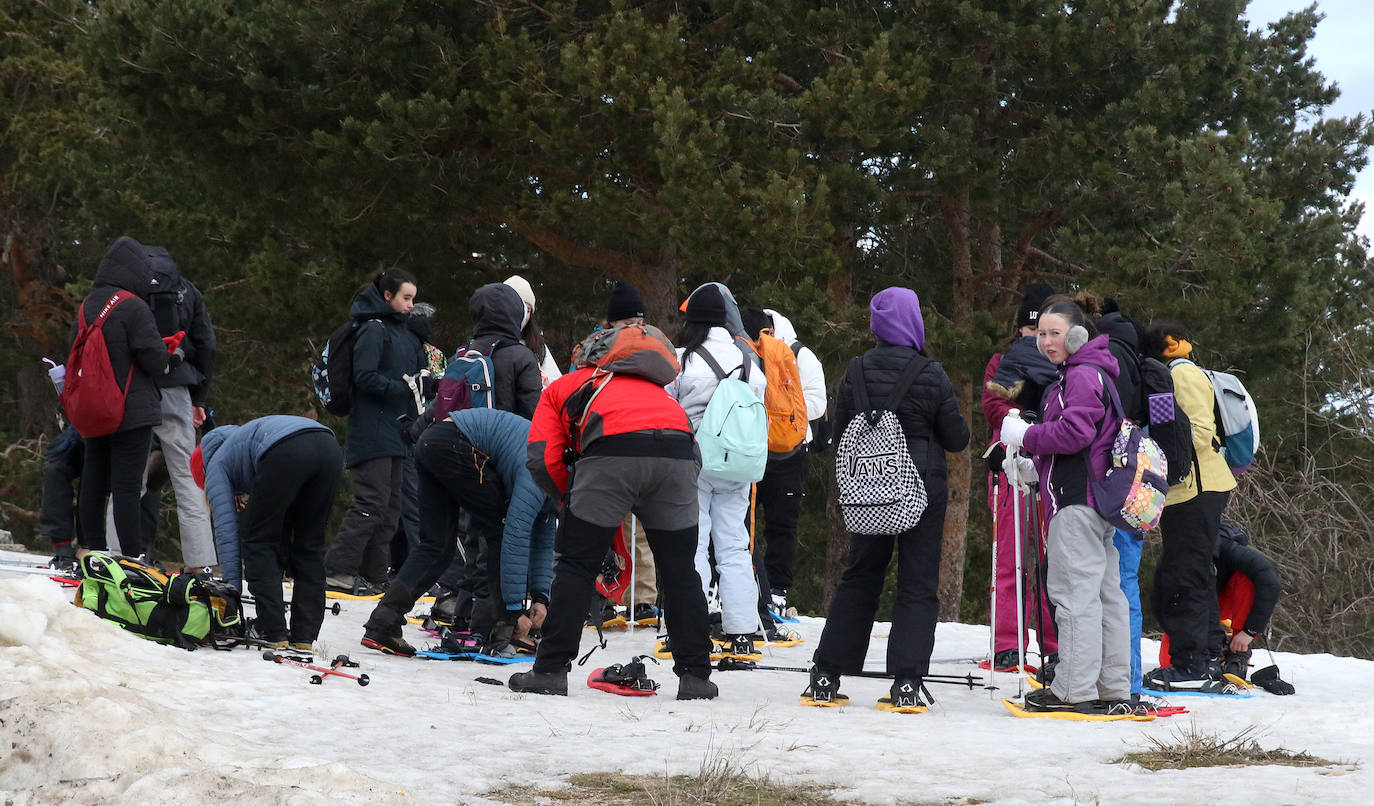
[{"x": 881, "y": 491}]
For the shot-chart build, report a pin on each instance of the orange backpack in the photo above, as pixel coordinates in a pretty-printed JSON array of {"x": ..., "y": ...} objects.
[{"x": 783, "y": 399}]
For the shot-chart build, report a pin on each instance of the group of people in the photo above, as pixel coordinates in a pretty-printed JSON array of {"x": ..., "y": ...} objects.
[
  {"x": 1054, "y": 400},
  {"x": 507, "y": 509}
]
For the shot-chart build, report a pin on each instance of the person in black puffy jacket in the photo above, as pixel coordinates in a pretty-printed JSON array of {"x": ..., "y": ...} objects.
[
  {"x": 931, "y": 422},
  {"x": 114, "y": 462}
]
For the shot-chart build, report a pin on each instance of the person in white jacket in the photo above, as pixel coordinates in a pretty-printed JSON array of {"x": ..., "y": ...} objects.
[
  {"x": 723, "y": 504},
  {"x": 779, "y": 494}
]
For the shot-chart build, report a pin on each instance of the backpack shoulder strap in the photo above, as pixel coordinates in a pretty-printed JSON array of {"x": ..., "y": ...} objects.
[
  {"x": 1113, "y": 397},
  {"x": 711, "y": 362},
  {"x": 796, "y": 349},
  {"x": 914, "y": 367},
  {"x": 109, "y": 306}
]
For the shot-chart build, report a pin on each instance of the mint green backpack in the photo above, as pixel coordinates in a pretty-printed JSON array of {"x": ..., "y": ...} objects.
[
  {"x": 733, "y": 434},
  {"x": 175, "y": 609}
]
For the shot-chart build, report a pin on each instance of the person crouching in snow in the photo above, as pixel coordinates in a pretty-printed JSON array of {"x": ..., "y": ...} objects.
[
  {"x": 1072, "y": 449},
  {"x": 290, "y": 468},
  {"x": 474, "y": 459}
]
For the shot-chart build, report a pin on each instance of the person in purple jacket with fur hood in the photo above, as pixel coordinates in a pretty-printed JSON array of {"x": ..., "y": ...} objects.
[{"x": 1071, "y": 449}]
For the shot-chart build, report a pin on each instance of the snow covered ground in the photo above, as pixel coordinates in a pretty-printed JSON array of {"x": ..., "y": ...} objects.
[{"x": 91, "y": 714}]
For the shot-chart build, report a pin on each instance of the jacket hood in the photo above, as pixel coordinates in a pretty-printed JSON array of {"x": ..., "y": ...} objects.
[
  {"x": 1120, "y": 327},
  {"x": 369, "y": 303},
  {"x": 782, "y": 327},
  {"x": 1097, "y": 353},
  {"x": 496, "y": 310},
  {"x": 895, "y": 317},
  {"x": 211, "y": 442},
  {"x": 126, "y": 265}
]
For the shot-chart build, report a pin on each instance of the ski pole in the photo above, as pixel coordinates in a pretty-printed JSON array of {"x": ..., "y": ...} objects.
[
  {"x": 333, "y": 608},
  {"x": 320, "y": 671},
  {"x": 1016, "y": 512},
  {"x": 733, "y": 665},
  {"x": 992, "y": 590}
]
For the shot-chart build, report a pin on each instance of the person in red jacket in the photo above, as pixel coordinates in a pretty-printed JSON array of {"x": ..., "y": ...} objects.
[{"x": 633, "y": 452}]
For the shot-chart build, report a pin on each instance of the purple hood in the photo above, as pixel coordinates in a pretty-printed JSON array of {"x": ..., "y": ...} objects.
[
  {"x": 1076, "y": 415},
  {"x": 895, "y": 317}
]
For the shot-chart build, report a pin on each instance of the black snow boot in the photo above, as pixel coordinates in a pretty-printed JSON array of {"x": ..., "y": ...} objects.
[
  {"x": 382, "y": 631},
  {"x": 691, "y": 687},
  {"x": 533, "y": 682}
]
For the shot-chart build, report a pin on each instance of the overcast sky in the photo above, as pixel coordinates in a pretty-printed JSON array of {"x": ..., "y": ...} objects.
[{"x": 1345, "y": 55}]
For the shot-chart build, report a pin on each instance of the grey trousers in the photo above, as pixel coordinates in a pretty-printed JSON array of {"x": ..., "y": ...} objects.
[{"x": 1092, "y": 616}]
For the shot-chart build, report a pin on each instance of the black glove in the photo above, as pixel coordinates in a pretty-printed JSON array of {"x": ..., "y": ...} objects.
[
  {"x": 1268, "y": 679},
  {"x": 429, "y": 387},
  {"x": 999, "y": 453}
]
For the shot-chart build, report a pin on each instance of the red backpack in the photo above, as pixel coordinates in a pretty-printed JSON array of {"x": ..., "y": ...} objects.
[{"x": 91, "y": 396}]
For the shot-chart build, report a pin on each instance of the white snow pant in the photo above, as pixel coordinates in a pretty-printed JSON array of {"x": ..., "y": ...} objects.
[
  {"x": 724, "y": 506},
  {"x": 177, "y": 436},
  {"x": 1092, "y": 615}
]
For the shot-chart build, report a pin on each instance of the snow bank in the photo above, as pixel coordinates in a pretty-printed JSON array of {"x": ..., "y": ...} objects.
[{"x": 91, "y": 714}]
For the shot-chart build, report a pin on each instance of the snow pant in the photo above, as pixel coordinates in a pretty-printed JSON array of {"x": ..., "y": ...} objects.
[
  {"x": 1129, "y": 546},
  {"x": 466, "y": 576},
  {"x": 114, "y": 467},
  {"x": 177, "y": 434},
  {"x": 1184, "y": 595},
  {"x": 360, "y": 546},
  {"x": 283, "y": 528},
  {"x": 779, "y": 496},
  {"x": 1090, "y": 609},
  {"x": 61, "y": 468},
  {"x": 655, "y": 478},
  {"x": 1004, "y": 631},
  {"x": 849, "y": 624},
  {"x": 451, "y": 471},
  {"x": 722, "y": 507},
  {"x": 646, "y": 580}
]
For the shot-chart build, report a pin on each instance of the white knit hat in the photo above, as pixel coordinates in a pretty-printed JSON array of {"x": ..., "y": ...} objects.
[{"x": 522, "y": 287}]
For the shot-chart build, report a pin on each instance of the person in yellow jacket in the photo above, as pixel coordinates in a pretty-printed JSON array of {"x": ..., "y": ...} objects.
[{"x": 1184, "y": 597}]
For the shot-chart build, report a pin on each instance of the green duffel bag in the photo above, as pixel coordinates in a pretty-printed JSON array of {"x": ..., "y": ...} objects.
[{"x": 178, "y": 609}]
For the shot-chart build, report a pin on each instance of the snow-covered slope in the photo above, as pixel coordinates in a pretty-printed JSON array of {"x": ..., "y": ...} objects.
[{"x": 92, "y": 714}]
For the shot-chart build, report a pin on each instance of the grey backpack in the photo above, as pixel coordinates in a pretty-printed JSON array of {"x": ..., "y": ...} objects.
[{"x": 880, "y": 488}]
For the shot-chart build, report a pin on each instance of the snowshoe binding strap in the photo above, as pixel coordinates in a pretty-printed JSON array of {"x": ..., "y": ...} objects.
[{"x": 631, "y": 675}]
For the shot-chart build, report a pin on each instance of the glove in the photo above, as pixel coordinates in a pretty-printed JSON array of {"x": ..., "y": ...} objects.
[
  {"x": 999, "y": 452},
  {"x": 1013, "y": 431},
  {"x": 1268, "y": 679},
  {"x": 173, "y": 340},
  {"x": 1020, "y": 471},
  {"x": 174, "y": 360}
]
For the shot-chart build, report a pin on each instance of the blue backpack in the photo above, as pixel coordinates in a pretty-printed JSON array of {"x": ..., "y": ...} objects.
[
  {"x": 467, "y": 382},
  {"x": 1237, "y": 421},
  {"x": 733, "y": 435}
]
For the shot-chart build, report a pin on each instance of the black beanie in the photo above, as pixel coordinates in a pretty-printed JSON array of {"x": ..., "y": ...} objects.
[
  {"x": 707, "y": 307},
  {"x": 625, "y": 303},
  {"x": 1031, "y": 303}
]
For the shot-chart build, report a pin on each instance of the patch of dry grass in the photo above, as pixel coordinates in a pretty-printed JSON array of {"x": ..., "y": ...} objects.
[{"x": 1192, "y": 747}]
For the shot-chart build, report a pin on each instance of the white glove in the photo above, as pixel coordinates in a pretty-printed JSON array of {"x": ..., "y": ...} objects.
[
  {"x": 1013, "y": 431},
  {"x": 1020, "y": 470}
]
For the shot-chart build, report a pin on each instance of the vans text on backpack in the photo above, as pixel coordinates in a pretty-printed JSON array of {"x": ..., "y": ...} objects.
[
  {"x": 880, "y": 488},
  {"x": 783, "y": 398},
  {"x": 332, "y": 373},
  {"x": 1237, "y": 421},
  {"x": 733, "y": 435},
  {"x": 93, "y": 398}
]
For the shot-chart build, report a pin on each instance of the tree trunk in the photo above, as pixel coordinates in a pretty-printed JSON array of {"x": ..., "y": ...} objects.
[{"x": 957, "y": 219}]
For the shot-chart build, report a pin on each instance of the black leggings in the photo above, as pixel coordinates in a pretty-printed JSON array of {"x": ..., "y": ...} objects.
[{"x": 114, "y": 467}]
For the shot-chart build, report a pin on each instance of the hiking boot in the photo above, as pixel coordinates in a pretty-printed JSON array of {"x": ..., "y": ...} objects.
[
  {"x": 353, "y": 586},
  {"x": 460, "y": 641},
  {"x": 533, "y": 682},
  {"x": 906, "y": 692},
  {"x": 824, "y": 687},
  {"x": 498, "y": 644},
  {"x": 391, "y": 644},
  {"x": 303, "y": 646},
  {"x": 742, "y": 646},
  {"x": 645, "y": 612},
  {"x": 1042, "y": 699},
  {"x": 1236, "y": 664},
  {"x": 1045, "y": 674},
  {"x": 1006, "y": 661},
  {"x": 780, "y": 635},
  {"x": 273, "y": 641},
  {"x": 691, "y": 687}
]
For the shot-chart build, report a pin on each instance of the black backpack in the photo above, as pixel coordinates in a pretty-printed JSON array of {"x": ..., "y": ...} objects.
[
  {"x": 167, "y": 291},
  {"x": 1168, "y": 426},
  {"x": 332, "y": 372}
]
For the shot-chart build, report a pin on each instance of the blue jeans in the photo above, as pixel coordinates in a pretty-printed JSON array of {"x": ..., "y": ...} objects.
[{"x": 1129, "y": 547}]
